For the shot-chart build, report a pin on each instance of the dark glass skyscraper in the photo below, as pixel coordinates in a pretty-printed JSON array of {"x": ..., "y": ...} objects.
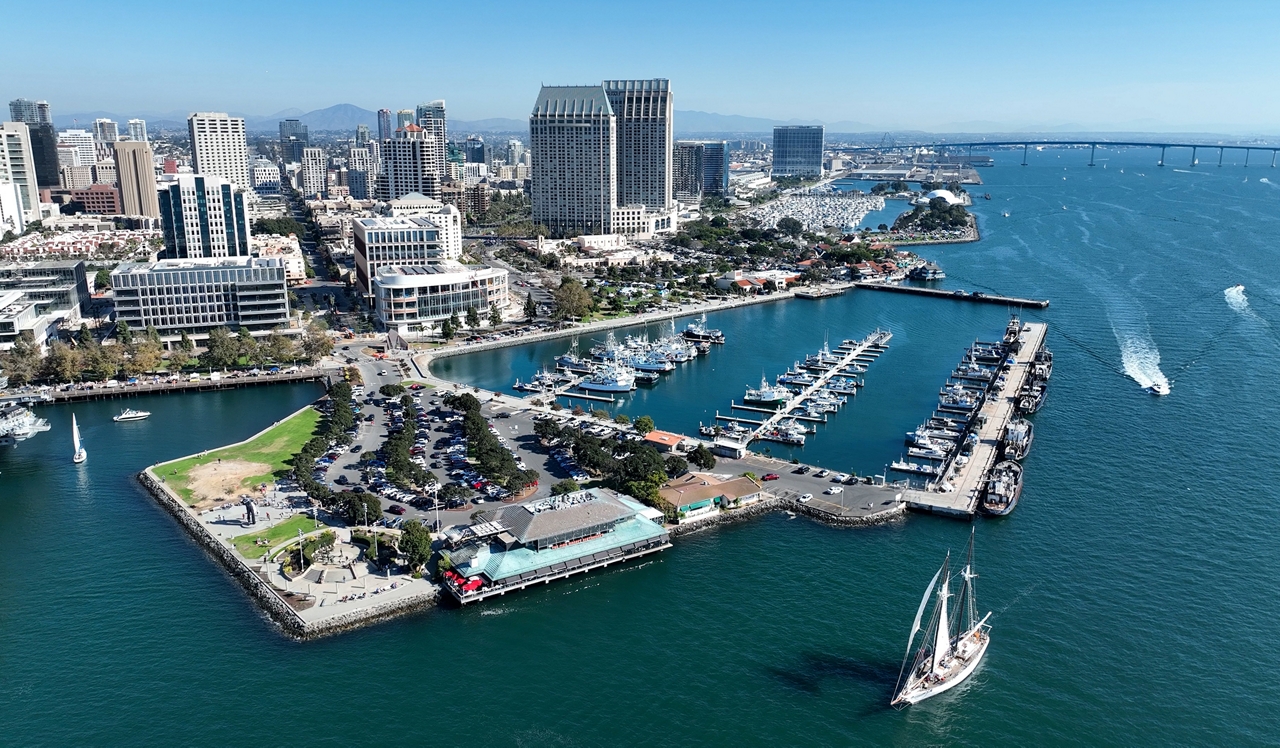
[
  {"x": 797, "y": 151},
  {"x": 715, "y": 168},
  {"x": 293, "y": 138},
  {"x": 686, "y": 172}
]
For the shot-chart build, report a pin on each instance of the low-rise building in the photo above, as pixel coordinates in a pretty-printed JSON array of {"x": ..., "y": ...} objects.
[
  {"x": 405, "y": 240},
  {"x": 534, "y": 542},
  {"x": 286, "y": 248},
  {"x": 196, "y": 295},
  {"x": 99, "y": 199},
  {"x": 663, "y": 441},
  {"x": 756, "y": 281},
  {"x": 41, "y": 297},
  {"x": 407, "y": 298},
  {"x": 695, "y": 496}
]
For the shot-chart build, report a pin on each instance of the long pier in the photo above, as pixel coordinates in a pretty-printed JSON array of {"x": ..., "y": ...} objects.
[
  {"x": 978, "y": 296},
  {"x": 968, "y": 481},
  {"x": 204, "y": 384}
]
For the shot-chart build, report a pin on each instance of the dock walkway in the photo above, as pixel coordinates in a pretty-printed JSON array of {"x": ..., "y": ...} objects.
[{"x": 969, "y": 479}]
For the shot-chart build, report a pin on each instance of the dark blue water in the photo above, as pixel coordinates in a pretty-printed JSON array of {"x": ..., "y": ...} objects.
[{"x": 1132, "y": 591}]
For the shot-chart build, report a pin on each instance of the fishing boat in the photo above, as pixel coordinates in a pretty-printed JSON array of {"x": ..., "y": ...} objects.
[
  {"x": 1017, "y": 439},
  {"x": 80, "y": 455},
  {"x": 767, "y": 394},
  {"x": 610, "y": 378},
  {"x": 129, "y": 414},
  {"x": 647, "y": 377},
  {"x": 945, "y": 659},
  {"x": 1003, "y": 489},
  {"x": 1032, "y": 397},
  {"x": 1042, "y": 365},
  {"x": 697, "y": 332}
]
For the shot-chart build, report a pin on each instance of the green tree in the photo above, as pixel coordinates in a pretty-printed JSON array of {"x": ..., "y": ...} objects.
[
  {"x": 568, "y": 485},
  {"x": 246, "y": 346},
  {"x": 643, "y": 425},
  {"x": 63, "y": 363},
  {"x": 473, "y": 318},
  {"x": 123, "y": 333},
  {"x": 415, "y": 544},
  {"x": 622, "y": 418},
  {"x": 278, "y": 348},
  {"x": 143, "y": 356},
  {"x": 702, "y": 457},
  {"x": 454, "y": 322},
  {"x": 391, "y": 390},
  {"x": 447, "y": 330},
  {"x": 675, "y": 465},
  {"x": 530, "y": 306},
  {"x": 572, "y": 299},
  {"x": 221, "y": 349},
  {"x": 103, "y": 360},
  {"x": 153, "y": 334},
  {"x": 102, "y": 279},
  {"x": 790, "y": 226},
  {"x": 495, "y": 315},
  {"x": 186, "y": 345},
  {"x": 84, "y": 337},
  {"x": 316, "y": 343}
]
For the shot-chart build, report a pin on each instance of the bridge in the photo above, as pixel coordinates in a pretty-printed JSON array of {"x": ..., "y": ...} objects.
[{"x": 1092, "y": 145}]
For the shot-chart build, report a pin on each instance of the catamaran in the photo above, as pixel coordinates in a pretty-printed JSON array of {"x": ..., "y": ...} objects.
[
  {"x": 944, "y": 659},
  {"x": 80, "y": 455}
]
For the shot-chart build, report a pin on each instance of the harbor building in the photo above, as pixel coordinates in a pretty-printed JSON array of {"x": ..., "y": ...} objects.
[
  {"x": 695, "y": 496},
  {"x": 407, "y": 297},
  {"x": 196, "y": 295},
  {"x": 41, "y": 297},
  {"x": 425, "y": 233},
  {"x": 203, "y": 216},
  {"x": 797, "y": 151},
  {"x": 136, "y": 172},
  {"x": 219, "y": 147},
  {"x": 532, "y": 542}
]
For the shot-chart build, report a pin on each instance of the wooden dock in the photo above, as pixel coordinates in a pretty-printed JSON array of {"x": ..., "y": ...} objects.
[
  {"x": 978, "y": 296},
  {"x": 204, "y": 384},
  {"x": 969, "y": 480}
]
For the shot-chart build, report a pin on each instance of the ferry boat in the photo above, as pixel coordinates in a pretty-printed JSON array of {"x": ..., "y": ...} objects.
[
  {"x": 767, "y": 394},
  {"x": 1004, "y": 487},
  {"x": 697, "y": 332},
  {"x": 18, "y": 423},
  {"x": 944, "y": 661},
  {"x": 129, "y": 414},
  {"x": 1017, "y": 439},
  {"x": 610, "y": 378},
  {"x": 926, "y": 272}
]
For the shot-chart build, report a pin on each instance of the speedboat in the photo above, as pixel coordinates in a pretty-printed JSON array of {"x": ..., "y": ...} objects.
[
  {"x": 129, "y": 414},
  {"x": 1159, "y": 389}
]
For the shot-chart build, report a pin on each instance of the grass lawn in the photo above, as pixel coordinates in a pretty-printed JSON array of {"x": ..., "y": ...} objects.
[
  {"x": 248, "y": 546},
  {"x": 272, "y": 448}
]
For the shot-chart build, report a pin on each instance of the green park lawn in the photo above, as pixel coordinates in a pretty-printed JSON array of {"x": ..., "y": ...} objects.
[
  {"x": 273, "y": 448},
  {"x": 248, "y": 546}
]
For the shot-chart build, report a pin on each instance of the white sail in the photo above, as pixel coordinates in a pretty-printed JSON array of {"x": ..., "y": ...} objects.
[
  {"x": 924, "y": 601},
  {"x": 942, "y": 640},
  {"x": 75, "y": 433}
]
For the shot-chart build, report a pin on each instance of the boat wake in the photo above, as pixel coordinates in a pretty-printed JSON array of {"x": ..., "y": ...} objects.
[
  {"x": 1240, "y": 303},
  {"x": 1266, "y": 181},
  {"x": 1141, "y": 361}
]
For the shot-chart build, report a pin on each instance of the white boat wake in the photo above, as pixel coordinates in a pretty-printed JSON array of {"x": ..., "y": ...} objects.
[
  {"x": 1141, "y": 361},
  {"x": 1238, "y": 302},
  {"x": 1264, "y": 180}
]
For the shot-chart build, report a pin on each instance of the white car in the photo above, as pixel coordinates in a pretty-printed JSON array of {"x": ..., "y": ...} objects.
[
  {"x": 834, "y": 490},
  {"x": 822, "y": 473},
  {"x": 804, "y": 498},
  {"x": 839, "y": 478},
  {"x": 382, "y": 373}
]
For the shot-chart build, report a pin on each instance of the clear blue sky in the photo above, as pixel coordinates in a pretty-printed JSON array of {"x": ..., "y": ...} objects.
[{"x": 1120, "y": 64}]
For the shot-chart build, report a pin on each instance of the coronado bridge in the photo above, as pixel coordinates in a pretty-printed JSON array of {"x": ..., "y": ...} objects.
[{"x": 1092, "y": 145}]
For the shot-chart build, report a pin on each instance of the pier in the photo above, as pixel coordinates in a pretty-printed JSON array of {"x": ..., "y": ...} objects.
[
  {"x": 967, "y": 482},
  {"x": 819, "y": 293},
  {"x": 167, "y": 386},
  {"x": 977, "y": 296}
]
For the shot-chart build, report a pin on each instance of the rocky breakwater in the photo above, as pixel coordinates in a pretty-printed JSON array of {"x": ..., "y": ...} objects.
[{"x": 300, "y": 623}]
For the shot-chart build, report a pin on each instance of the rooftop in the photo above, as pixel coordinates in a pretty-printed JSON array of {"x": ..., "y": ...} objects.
[
  {"x": 665, "y": 438},
  {"x": 534, "y": 521},
  {"x": 572, "y": 100},
  {"x": 694, "y": 488}
]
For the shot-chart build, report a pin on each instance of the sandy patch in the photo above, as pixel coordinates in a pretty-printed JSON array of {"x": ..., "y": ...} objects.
[{"x": 217, "y": 482}]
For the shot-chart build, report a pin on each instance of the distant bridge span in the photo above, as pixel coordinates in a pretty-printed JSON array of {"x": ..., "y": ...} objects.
[{"x": 1092, "y": 144}]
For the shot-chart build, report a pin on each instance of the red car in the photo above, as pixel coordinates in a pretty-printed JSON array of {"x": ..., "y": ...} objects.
[
  {"x": 396, "y": 509},
  {"x": 772, "y": 476}
]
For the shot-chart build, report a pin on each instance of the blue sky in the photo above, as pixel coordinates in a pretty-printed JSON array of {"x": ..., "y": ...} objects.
[{"x": 923, "y": 65}]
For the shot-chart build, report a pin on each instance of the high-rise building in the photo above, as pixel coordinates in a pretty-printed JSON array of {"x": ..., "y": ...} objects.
[
  {"x": 138, "y": 130},
  {"x": 715, "y": 168},
  {"x": 797, "y": 150},
  {"x": 293, "y": 139},
  {"x": 571, "y": 135},
  {"x": 362, "y": 134},
  {"x": 265, "y": 175},
  {"x": 135, "y": 169},
  {"x": 203, "y": 216},
  {"x": 404, "y": 118},
  {"x": 81, "y": 141},
  {"x": 219, "y": 147},
  {"x": 30, "y": 112},
  {"x": 17, "y": 167},
  {"x": 105, "y": 130},
  {"x": 315, "y": 172},
  {"x": 643, "y": 114},
  {"x": 104, "y": 172},
  {"x": 431, "y": 117},
  {"x": 385, "y": 131},
  {"x": 515, "y": 149},
  {"x": 686, "y": 173},
  {"x": 360, "y": 172},
  {"x": 476, "y": 150},
  {"x": 412, "y": 161}
]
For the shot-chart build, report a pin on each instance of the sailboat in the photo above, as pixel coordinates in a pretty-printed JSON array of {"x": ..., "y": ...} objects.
[
  {"x": 80, "y": 455},
  {"x": 944, "y": 659}
]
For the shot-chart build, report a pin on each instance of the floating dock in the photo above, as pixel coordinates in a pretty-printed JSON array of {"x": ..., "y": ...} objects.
[
  {"x": 819, "y": 293},
  {"x": 978, "y": 296},
  {"x": 998, "y": 408}
]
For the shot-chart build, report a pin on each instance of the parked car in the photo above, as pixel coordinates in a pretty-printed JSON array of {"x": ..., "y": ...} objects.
[
  {"x": 771, "y": 476},
  {"x": 834, "y": 490},
  {"x": 396, "y": 509},
  {"x": 805, "y": 498}
]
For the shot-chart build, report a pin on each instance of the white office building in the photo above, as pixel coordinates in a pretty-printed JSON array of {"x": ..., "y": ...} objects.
[
  {"x": 82, "y": 145},
  {"x": 18, "y": 168},
  {"x": 219, "y": 147},
  {"x": 412, "y": 161},
  {"x": 265, "y": 176},
  {"x": 315, "y": 172},
  {"x": 405, "y": 240},
  {"x": 197, "y": 295},
  {"x": 202, "y": 216},
  {"x": 409, "y": 298},
  {"x": 138, "y": 130}
]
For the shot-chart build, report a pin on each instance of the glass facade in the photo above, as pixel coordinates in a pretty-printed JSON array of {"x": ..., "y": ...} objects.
[{"x": 797, "y": 151}]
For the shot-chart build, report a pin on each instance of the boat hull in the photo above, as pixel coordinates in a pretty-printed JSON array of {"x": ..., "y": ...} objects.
[{"x": 917, "y": 695}]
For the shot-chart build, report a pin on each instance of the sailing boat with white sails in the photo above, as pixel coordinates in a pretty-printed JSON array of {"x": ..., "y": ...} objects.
[
  {"x": 944, "y": 659},
  {"x": 80, "y": 455}
]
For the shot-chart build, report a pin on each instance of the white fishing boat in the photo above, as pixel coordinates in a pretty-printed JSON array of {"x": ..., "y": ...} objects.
[
  {"x": 80, "y": 455},
  {"x": 129, "y": 414},
  {"x": 610, "y": 378},
  {"x": 952, "y": 648}
]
